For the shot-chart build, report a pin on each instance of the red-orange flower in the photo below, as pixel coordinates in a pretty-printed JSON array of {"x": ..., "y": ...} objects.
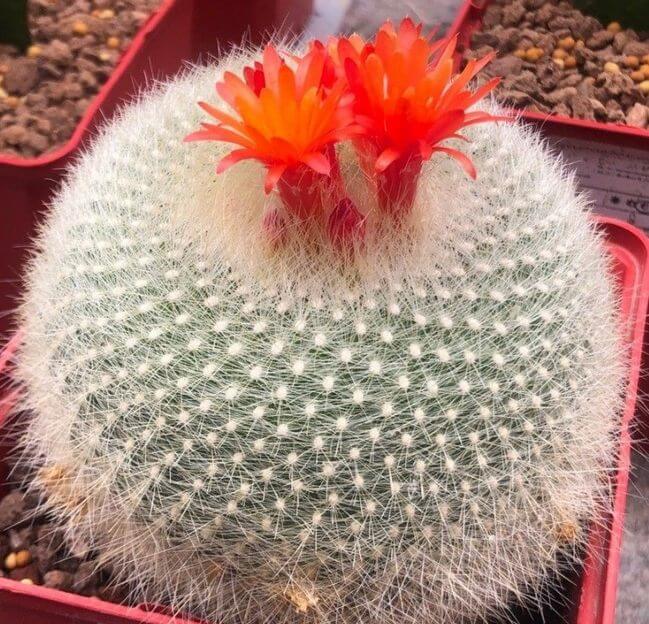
[
  {"x": 284, "y": 116},
  {"x": 407, "y": 96}
]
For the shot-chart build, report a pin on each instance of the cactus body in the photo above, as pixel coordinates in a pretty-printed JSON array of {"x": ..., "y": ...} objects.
[{"x": 271, "y": 438}]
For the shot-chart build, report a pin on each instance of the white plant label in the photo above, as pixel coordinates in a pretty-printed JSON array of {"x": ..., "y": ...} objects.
[{"x": 616, "y": 177}]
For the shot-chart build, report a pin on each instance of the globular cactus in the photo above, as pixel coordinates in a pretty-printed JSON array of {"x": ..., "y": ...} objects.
[{"x": 412, "y": 424}]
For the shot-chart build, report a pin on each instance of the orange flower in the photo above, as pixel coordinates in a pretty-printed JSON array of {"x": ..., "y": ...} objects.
[
  {"x": 284, "y": 117},
  {"x": 407, "y": 96}
]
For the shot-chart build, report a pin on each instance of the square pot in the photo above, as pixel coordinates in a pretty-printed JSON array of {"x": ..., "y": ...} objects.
[
  {"x": 179, "y": 31},
  {"x": 594, "y": 602}
]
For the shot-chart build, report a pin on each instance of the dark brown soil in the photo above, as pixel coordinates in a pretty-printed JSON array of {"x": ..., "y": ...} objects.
[
  {"x": 33, "y": 550},
  {"x": 45, "y": 91},
  {"x": 555, "y": 59}
]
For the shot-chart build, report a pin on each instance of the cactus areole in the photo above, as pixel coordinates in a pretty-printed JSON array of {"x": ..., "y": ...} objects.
[{"x": 366, "y": 371}]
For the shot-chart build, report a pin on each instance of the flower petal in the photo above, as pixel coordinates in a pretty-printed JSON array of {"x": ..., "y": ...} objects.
[
  {"x": 461, "y": 157},
  {"x": 273, "y": 175},
  {"x": 386, "y": 158},
  {"x": 318, "y": 162}
]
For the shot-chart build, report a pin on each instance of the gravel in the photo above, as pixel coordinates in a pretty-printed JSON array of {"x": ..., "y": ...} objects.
[
  {"x": 76, "y": 45},
  {"x": 33, "y": 550},
  {"x": 554, "y": 59}
]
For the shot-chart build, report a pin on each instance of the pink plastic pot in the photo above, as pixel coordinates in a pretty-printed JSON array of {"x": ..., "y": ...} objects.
[
  {"x": 595, "y": 600},
  {"x": 178, "y": 32}
]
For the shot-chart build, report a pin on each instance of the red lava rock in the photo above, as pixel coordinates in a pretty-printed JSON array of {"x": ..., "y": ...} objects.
[
  {"x": 638, "y": 116},
  {"x": 504, "y": 66},
  {"x": 44, "y": 557},
  {"x": 87, "y": 79},
  {"x": 50, "y": 535},
  {"x": 518, "y": 99},
  {"x": 561, "y": 22},
  {"x": 599, "y": 109},
  {"x": 112, "y": 593},
  {"x": 21, "y": 539},
  {"x": 58, "y": 52},
  {"x": 29, "y": 571},
  {"x": 562, "y": 109},
  {"x": 513, "y": 13},
  {"x": 549, "y": 74},
  {"x": 600, "y": 40},
  {"x": 525, "y": 81},
  {"x": 616, "y": 116},
  {"x": 85, "y": 578},
  {"x": 492, "y": 16},
  {"x": 12, "y": 507},
  {"x": 636, "y": 48},
  {"x": 571, "y": 80},
  {"x": 21, "y": 76},
  {"x": 560, "y": 95},
  {"x": 545, "y": 14},
  {"x": 36, "y": 141},
  {"x": 614, "y": 84},
  {"x": 58, "y": 579},
  {"x": 480, "y": 38},
  {"x": 581, "y": 106},
  {"x": 585, "y": 27},
  {"x": 68, "y": 563},
  {"x": 620, "y": 41}
]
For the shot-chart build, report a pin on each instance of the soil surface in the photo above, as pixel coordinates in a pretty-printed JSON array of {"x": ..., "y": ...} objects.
[
  {"x": 555, "y": 59},
  {"x": 33, "y": 550},
  {"x": 75, "y": 46}
]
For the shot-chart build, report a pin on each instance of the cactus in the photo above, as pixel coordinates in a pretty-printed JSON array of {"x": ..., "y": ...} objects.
[
  {"x": 632, "y": 14},
  {"x": 14, "y": 24},
  {"x": 282, "y": 430}
]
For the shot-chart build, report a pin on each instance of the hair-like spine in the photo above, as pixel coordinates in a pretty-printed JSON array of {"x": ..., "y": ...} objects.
[{"x": 278, "y": 437}]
